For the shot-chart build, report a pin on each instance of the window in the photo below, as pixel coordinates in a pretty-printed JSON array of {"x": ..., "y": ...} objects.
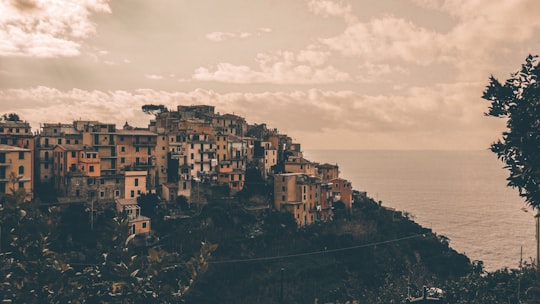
[
  {"x": 283, "y": 188},
  {"x": 94, "y": 155},
  {"x": 116, "y": 193},
  {"x": 102, "y": 181},
  {"x": 17, "y": 130},
  {"x": 88, "y": 155},
  {"x": 136, "y": 182},
  {"x": 21, "y": 185},
  {"x": 144, "y": 225},
  {"x": 59, "y": 141},
  {"x": 122, "y": 160},
  {"x": 68, "y": 141},
  {"x": 91, "y": 168},
  {"x": 21, "y": 155},
  {"x": 73, "y": 154},
  {"x": 123, "y": 149},
  {"x": 46, "y": 165},
  {"x": 101, "y": 194},
  {"x": 137, "y": 149},
  {"x": 132, "y": 194},
  {"x": 21, "y": 169},
  {"x": 283, "y": 197}
]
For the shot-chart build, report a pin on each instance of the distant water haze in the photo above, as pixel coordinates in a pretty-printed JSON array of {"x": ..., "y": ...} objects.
[{"x": 459, "y": 194}]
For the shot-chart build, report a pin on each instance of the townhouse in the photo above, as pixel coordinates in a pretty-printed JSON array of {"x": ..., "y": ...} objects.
[
  {"x": 15, "y": 170},
  {"x": 17, "y": 133}
]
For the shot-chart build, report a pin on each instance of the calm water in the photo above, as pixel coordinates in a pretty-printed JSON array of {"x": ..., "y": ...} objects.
[{"x": 461, "y": 195}]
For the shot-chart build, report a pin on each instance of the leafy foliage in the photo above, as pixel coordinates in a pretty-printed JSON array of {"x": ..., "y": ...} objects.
[
  {"x": 11, "y": 117},
  {"x": 152, "y": 109},
  {"x": 50, "y": 255},
  {"x": 518, "y": 100}
]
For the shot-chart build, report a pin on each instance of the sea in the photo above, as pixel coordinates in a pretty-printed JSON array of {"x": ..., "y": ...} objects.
[{"x": 459, "y": 194}]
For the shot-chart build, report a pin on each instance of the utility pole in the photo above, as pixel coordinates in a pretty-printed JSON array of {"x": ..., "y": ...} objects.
[
  {"x": 537, "y": 216},
  {"x": 520, "y": 274},
  {"x": 281, "y": 290},
  {"x": 92, "y": 216}
]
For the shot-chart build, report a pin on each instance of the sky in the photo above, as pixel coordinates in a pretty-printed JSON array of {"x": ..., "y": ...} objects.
[{"x": 332, "y": 74}]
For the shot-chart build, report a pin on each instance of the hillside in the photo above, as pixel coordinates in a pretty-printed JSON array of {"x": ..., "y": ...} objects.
[{"x": 371, "y": 255}]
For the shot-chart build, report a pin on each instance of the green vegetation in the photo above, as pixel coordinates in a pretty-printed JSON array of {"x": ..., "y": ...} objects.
[
  {"x": 225, "y": 253},
  {"x": 518, "y": 101}
]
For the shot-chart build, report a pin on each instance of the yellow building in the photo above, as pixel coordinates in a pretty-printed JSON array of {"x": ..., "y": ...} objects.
[
  {"x": 19, "y": 134},
  {"x": 300, "y": 165},
  {"x": 231, "y": 177},
  {"x": 298, "y": 194},
  {"x": 327, "y": 172},
  {"x": 15, "y": 170},
  {"x": 135, "y": 184},
  {"x": 138, "y": 224}
]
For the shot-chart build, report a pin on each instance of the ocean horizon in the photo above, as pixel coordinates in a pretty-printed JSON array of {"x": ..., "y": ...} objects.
[{"x": 461, "y": 194}]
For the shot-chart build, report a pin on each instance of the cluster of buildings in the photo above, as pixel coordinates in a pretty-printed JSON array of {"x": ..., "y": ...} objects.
[{"x": 92, "y": 161}]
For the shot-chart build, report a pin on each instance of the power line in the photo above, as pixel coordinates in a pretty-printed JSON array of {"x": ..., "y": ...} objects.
[{"x": 314, "y": 252}]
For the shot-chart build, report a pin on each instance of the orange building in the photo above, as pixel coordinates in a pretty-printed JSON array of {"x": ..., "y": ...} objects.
[
  {"x": 342, "y": 191},
  {"x": 77, "y": 170}
]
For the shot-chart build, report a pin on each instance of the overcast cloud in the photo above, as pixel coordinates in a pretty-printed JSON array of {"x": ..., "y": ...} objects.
[{"x": 330, "y": 73}]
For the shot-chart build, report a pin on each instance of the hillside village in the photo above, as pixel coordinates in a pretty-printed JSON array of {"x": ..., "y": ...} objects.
[
  {"x": 247, "y": 189},
  {"x": 178, "y": 154}
]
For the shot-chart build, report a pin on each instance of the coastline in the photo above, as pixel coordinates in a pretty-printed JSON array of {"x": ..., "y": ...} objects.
[{"x": 463, "y": 197}]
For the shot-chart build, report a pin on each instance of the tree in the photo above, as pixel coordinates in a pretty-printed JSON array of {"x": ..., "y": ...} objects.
[
  {"x": 518, "y": 100},
  {"x": 152, "y": 109},
  {"x": 11, "y": 117}
]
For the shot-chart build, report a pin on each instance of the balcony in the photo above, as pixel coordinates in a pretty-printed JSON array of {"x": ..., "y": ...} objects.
[
  {"x": 108, "y": 156},
  {"x": 104, "y": 144},
  {"x": 139, "y": 144},
  {"x": 177, "y": 154},
  {"x": 5, "y": 162},
  {"x": 143, "y": 165}
]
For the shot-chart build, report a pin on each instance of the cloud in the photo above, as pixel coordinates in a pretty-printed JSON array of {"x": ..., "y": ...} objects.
[
  {"x": 330, "y": 8},
  {"x": 443, "y": 116},
  {"x": 224, "y": 36},
  {"x": 375, "y": 71},
  {"x": 479, "y": 28},
  {"x": 387, "y": 38},
  {"x": 51, "y": 29},
  {"x": 281, "y": 67},
  {"x": 153, "y": 76}
]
